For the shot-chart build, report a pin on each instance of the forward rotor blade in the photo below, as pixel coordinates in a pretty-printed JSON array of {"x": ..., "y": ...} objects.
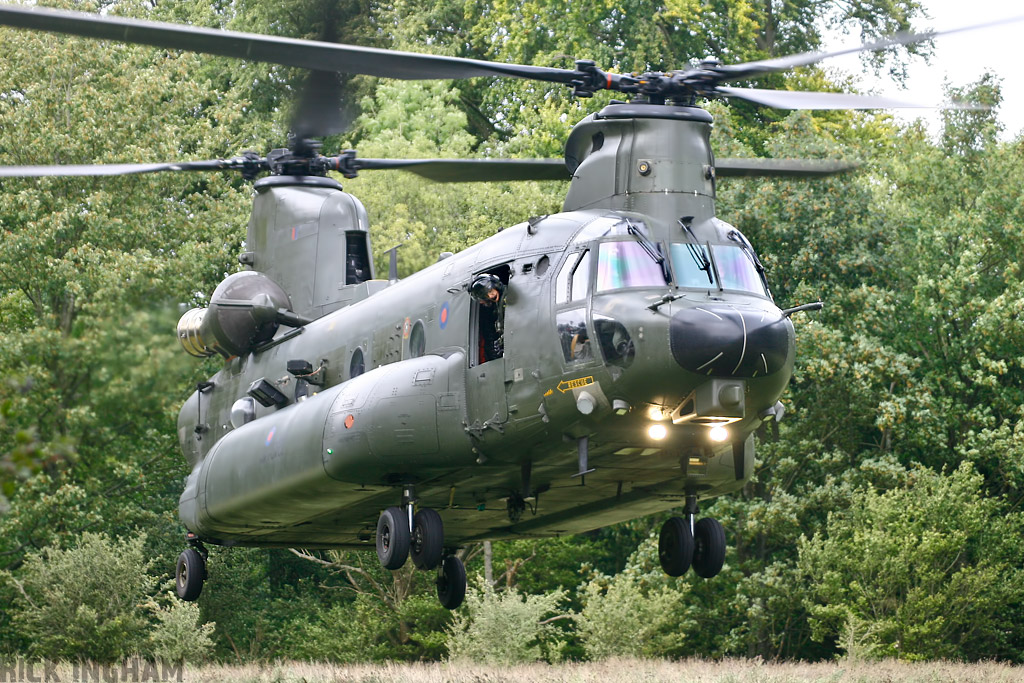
[
  {"x": 273, "y": 49},
  {"x": 796, "y": 99},
  {"x": 116, "y": 169},
  {"x": 784, "y": 168},
  {"x": 471, "y": 170},
  {"x": 735, "y": 72}
]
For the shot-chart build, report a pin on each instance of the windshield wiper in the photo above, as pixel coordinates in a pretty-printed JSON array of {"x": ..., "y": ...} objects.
[
  {"x": 737, "y": 236},
  {"x": 652, "y": 250},
  {"x": 697, "y": 253}
]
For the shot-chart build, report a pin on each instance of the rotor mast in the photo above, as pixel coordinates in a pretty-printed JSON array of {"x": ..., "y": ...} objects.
[{"x": 652, "y": 159}]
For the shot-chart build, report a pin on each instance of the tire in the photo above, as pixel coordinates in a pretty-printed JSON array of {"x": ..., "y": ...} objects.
[
  {"x": 451, "y": 582},
  {"x": 427, "y": 543},
  {"x": 675, "y": 546},
  {"x": 708, "y": 548},
  {"x": 189, "y": 574},
  {"x": 392, "y": 538}
]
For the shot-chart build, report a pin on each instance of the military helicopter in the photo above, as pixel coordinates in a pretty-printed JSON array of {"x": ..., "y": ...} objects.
[{"x": 570, "y": 372}]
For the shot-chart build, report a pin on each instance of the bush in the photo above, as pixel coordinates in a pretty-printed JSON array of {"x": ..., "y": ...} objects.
[
  {"x": 505, "y": 628},
  {"x": 635, "y": 613},
  {"x": 86, "y": 602},
  {"x": 178, "y": 635}
]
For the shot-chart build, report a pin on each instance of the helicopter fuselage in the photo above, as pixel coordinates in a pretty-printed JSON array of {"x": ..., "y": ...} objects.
[{"x": 591, "y": 363}]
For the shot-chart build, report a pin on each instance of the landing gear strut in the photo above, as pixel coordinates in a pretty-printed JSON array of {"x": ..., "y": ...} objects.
[
  {"x": 190, "y": 570},
  {"x": 683, "y": 544}
]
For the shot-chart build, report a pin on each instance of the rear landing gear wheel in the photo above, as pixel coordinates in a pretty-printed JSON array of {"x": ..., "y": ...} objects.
[
  {"x": 451, "y": 582},
  {"x": 189, "y": 573},
  {"x": 392, "y": 538},
  {"x": 709, "y": 547},
  {"x": 427, "y": 543},
  {"x": 675, "y": 546}
]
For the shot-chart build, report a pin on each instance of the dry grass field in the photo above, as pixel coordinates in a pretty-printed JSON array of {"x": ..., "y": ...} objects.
[{"x": 626, "y": 671}]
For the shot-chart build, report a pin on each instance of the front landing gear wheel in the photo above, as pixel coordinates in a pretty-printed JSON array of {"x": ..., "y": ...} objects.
[
  {"x": 189, "y": 574},
  {"x": 709, "y": 547},
  {"x": 392, "y": 538},
  {"x": 675, "y": 546},
  {"x": 451, "y": 582},
  {"x": 427, "y": 544}
]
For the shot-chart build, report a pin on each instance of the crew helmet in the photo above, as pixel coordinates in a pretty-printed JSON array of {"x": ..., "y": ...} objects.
[{"x": 483, "y": 284}]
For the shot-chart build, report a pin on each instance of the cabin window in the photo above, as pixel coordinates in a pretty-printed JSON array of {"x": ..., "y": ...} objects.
[
  {"x": 417, "y": 340},
  {"x": 626, "y": 264},
  {"x": 356, "y": 366}
]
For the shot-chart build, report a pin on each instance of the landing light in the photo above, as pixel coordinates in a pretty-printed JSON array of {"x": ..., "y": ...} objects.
[
  {"x": 657, "y": 432},
  {"x": 719, "y": 434},
  {"x": 656, "y": 413}
]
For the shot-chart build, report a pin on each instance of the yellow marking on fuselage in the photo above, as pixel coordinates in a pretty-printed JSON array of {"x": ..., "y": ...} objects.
[{"x": 570, "y": 384}]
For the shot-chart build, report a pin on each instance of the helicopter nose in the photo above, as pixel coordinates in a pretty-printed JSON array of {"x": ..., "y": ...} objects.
[{"x": 731, "y": 341}]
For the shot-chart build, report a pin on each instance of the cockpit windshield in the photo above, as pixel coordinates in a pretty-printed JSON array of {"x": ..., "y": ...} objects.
[
  {"x": 727, "y": 266},
  {"x": 626, "y": 264}
]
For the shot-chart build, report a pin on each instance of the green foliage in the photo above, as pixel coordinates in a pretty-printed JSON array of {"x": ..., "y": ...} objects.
[
  {"x": 87, "y": 601},
  {"x": 506, "y": 627},
  {"x": 178, "y": 635},
  {"x": 415, "y": 120},
  {"x": 362, "y": 630},
  {"x": 635, "y": 613},
  {"x": 926, "y": 571},
  {"x": 913, "y": 367}
]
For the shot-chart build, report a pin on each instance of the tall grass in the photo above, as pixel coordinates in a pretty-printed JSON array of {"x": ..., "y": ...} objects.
[{"x": 622, "y": 670}]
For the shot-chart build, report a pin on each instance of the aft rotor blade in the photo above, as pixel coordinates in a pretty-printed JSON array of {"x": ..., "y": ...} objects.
[
  {"x": 307, "y": 54},
  {"x": 118, "y": 169},
  {"x": 735, "y": 72},
  {"x": 471, "y": 170},
  {"x": 783, "y": 168},
  {"x": 797, "y": 99}
]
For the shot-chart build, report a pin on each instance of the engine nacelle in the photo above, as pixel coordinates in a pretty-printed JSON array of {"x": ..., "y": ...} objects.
[{"x": 237, "y": 320}]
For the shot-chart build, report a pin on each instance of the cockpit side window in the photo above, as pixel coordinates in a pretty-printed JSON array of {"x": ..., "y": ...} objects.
[
  {"x": 573, "y": 277},
  {"x": 580, "y": 278},
  {"x": 737, "y": 270}
]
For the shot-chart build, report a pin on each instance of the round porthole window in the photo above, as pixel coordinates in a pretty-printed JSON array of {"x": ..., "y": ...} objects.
[
  {"x": 356, "y": 366},
  {"x": 417, "y": 340}
]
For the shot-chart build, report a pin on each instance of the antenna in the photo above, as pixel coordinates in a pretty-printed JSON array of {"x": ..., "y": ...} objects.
[{"x": 393, "y": 263}]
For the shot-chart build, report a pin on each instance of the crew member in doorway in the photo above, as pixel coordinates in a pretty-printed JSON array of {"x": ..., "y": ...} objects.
[{"x": 490, "y": 292}]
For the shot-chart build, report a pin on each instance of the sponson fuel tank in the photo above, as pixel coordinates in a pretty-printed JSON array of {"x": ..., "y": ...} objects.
[{"x": 306, "y": 459}]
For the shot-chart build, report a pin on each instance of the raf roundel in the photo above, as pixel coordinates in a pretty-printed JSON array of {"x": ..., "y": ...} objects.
[{"x": 442, "y": 319}]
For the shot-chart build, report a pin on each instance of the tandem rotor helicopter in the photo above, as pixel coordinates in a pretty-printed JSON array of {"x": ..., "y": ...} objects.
[{"x": 572, "y": 371}]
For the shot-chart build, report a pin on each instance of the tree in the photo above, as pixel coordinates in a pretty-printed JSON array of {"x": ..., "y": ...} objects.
[{"x": 926, "y": 571}]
